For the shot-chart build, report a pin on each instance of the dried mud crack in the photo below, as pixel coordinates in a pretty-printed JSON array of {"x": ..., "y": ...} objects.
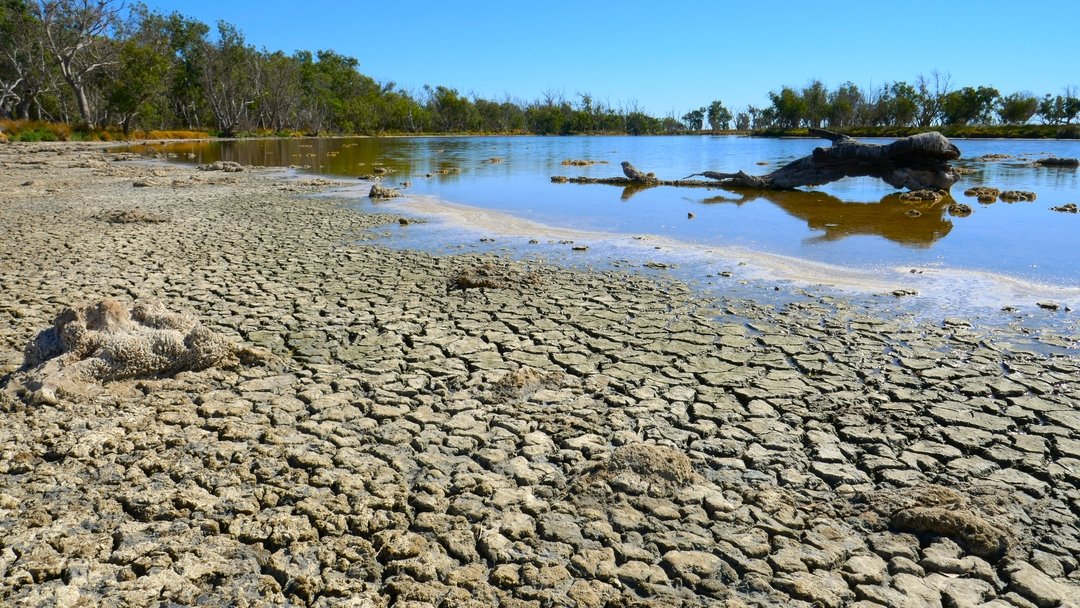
[{"x": 463, "y": 431}]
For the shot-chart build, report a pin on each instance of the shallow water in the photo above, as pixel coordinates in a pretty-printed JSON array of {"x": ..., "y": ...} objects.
[{"x": 858, "y": 224}]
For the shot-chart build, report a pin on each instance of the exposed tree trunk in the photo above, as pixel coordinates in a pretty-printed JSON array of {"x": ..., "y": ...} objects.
[{"x": 917, "y": 162}]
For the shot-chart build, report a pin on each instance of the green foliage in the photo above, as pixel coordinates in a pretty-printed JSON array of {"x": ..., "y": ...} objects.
[
  {"x": 789, "y": 108},
  {"x": 694, "y": 119},
  {"x": 138, "y": 68},
  {"x": 969, "y": 105},
  {"x": 719, "y": 116},
  {"x": 1017, "y": 108}
]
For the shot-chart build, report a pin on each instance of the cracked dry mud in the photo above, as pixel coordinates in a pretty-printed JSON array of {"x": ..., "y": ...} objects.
[{"x": 578, "y": 439}]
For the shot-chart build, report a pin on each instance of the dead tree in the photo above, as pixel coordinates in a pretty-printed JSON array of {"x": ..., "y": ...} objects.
[{"x": 917, "y": 162}]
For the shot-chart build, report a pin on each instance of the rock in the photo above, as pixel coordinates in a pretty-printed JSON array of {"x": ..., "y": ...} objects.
[
  {"x": 928, "y": 196},
  {"x": 379, "y": 192},
  {"x": 1057, "y": 161},
  {"x": 227, "y": 166},
  {"x": 653, "y": 463},
  {"x": 637, "y": 573},
  {"x": 692, "y": 566},
  {"x": 983, "y": 194},
  {"x": 967, "y": 528},
  {"x": 130, "y": 216},
  {"x": 821, "y": 588},
  {"x": 1066, "y": 208},
  {"x": 959, "y": 210},
  {"x": 1039, "y": 588},
  {"x": 489, "y": 275},
  {"x": 1012, "y": 196},
  {"x": 865, "y": 570},
  {"x": 396, "y": 544},
  {"x": 111, "y": 341}
]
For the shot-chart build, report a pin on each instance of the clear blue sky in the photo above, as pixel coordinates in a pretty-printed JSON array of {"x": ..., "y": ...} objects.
[{"x": 670, "y": 57}]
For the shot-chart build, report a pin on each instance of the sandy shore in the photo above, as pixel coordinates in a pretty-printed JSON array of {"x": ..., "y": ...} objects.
[{"x": 561, "y": 439}]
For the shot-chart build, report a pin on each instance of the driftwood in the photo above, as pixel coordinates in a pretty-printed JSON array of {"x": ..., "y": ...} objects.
[{"x": 917, "y": 162}]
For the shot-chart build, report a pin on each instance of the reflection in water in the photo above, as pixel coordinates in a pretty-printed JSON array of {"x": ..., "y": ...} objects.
[
  {"x": 890, "y": 217},
  {"x": 1027, "y": 240}
]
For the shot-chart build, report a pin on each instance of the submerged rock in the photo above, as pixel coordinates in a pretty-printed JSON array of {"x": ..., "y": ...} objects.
[
  {"x": 929, "y": 196},
  {"x": 959, "y": 210},
  {"x": 983, "y": 193},
  {"x": 1012, "y": 196},
  {"x": 1055, "y": 161}
]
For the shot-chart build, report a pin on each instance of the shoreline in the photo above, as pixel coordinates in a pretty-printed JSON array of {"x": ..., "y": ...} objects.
[
  {"x": 562, "y": 437},
  {"x": 934, "y": 285}
]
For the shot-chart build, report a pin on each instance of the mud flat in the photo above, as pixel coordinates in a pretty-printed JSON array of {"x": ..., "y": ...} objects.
[{"x": 470, "y": 431}]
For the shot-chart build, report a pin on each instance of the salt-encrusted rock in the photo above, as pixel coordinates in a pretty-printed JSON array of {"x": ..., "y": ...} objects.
[
  {"x": 227, "y": 166},
  {"x": 109, "y": 340},
  {"x": 378, "y": 192}
]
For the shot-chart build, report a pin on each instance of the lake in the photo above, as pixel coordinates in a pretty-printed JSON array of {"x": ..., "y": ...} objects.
[{"x": 856, "y": 226}]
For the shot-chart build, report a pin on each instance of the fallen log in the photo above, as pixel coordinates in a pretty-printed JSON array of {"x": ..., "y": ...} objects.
[{"x": 918, "y": 162}]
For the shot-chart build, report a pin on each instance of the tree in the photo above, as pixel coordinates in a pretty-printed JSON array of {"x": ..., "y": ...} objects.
[
  {"x": 694, "y": 119},
  {"x": 142, "y": 73},
  {"x": 929, "y": 93},
  {"x": 788, "y": 107},
  {"x": 1017, "y": 108},
  {"x": 844, "y": 103},
  {"x": 719, "y": 116},
  {"x": 815, "y": 103},
  {"x": 969, "y": 105},
  {"x": 225, "y": 76},
  {"x": 280, "y": 93},
  {"x": 76, "y": 33},
  {"x": 25, "y": 73},
  {"x": 1059, "y": 109}
]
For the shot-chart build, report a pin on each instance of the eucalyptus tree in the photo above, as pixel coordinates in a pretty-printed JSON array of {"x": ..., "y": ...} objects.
[
  {"x": 145, "y": 63},
  {"x": 187, "y": 43},
  {"x": 279, "y": 95},
  {"x": 1017, "y": 108},
  {"x": 694, "y": 119},
  {"x": 79, "y": 35},
  {"x": 929, "y": 93},
  {"x": 969, "y": 105},
  {"x": 844, "y": 105},
  {"x": 815, "y": 103},
  {"x": 788, "y": 108},
  {"x": 25, "y": 71},
  {"x": 719, "y": 116},
  {"x": 227, "y": 67},
  {"x": 1059, "y": 109}
]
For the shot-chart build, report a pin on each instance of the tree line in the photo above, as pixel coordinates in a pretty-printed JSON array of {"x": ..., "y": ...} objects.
[{"x": 93, "y": 63}]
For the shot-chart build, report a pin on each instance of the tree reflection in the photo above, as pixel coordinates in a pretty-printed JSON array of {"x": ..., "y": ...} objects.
[{"x": 890, "y": 218}]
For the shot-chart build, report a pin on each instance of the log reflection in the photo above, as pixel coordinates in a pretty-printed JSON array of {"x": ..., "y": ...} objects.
[{"x": 890, "y": 218}]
